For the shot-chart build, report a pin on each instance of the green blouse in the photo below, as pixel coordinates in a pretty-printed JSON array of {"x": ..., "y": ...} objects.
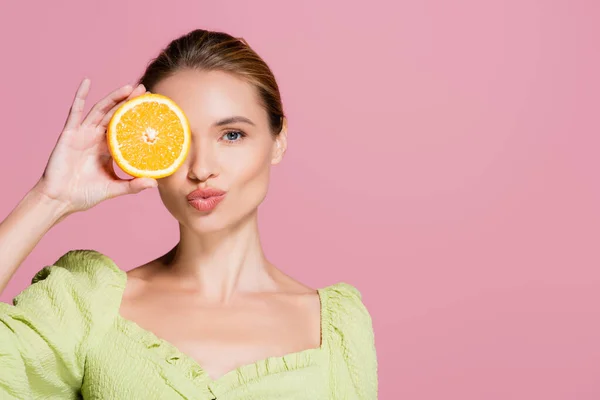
[{"x": 63, "y": 338}]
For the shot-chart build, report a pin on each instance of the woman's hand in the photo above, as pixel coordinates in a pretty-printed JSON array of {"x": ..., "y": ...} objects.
[{"x": 80, "y": 173}]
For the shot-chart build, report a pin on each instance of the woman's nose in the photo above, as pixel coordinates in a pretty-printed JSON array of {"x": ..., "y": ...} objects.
[{"x": 203, "y": 163}]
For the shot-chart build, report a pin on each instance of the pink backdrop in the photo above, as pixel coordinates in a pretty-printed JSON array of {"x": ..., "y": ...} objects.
[{"x": 454, "y": 146}]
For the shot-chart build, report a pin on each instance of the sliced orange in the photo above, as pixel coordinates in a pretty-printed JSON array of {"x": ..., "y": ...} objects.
[{"x": 149, "y": 136}]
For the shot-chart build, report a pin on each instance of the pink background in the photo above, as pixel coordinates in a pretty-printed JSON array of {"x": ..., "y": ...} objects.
[{"x": 443, "y": 158}]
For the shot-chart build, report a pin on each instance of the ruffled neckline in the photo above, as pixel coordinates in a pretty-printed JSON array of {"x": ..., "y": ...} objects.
[{"x": 172, "y": 361}]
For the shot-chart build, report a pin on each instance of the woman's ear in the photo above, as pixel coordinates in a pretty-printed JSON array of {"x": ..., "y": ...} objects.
[{"x": 280, "y": 144}]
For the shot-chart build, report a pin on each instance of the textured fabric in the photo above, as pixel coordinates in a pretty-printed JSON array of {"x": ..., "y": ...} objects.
[{"x": 63, "y": 338}]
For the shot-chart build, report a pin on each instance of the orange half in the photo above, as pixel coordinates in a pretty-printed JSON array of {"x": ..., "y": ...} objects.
[{"x": 149, "y": 136}]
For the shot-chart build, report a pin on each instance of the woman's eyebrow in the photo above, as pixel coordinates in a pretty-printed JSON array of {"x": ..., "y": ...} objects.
[{"x": 234, "y": 119}]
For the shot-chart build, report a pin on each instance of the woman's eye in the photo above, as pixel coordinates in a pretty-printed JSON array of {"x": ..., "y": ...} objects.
[{"x": 233, "y": 136}]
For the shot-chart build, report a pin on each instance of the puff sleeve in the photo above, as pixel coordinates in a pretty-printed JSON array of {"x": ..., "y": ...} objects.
[
  {"x": 45, "y": 333},
  {"x": 351, "y": 344}
]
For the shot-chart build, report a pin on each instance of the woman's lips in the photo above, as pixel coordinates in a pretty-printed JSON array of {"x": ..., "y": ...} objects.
[
  {"x": 206, "y": 204},
  {"x": 205, "y": 199}
]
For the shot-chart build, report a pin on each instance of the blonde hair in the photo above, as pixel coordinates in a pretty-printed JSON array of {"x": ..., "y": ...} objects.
[{"x": 218, "y": 51}]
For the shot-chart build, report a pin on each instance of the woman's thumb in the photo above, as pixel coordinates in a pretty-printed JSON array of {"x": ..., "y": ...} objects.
[
  {"x": 136, "y": 185},
  {"x": 133, "y": 186}
]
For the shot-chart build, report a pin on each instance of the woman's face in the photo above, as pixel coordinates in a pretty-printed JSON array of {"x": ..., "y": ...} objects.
[{"x": 232, "y": 149}]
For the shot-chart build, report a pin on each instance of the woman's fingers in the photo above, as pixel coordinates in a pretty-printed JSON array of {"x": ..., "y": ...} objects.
[
  {"x": 136, "y": 92},
  {"x": 105, "y": 105},
  {"x": 76, "y": 111}
]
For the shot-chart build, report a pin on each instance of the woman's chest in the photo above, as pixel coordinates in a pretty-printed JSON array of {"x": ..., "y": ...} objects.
[{"x": 221, "y": 339}]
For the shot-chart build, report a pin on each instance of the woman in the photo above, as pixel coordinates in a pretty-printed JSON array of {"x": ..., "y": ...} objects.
[{"x": 211, "y": 319}]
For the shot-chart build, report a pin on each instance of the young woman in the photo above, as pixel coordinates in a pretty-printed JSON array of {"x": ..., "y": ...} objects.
[{"x": 212, "y": 318}]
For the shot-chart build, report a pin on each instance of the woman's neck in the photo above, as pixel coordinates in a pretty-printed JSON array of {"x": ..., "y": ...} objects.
[{"x": 219, "y": 264}]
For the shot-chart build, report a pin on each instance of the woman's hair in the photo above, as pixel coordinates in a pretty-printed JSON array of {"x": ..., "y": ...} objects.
[{"x": 218, "y": 51}]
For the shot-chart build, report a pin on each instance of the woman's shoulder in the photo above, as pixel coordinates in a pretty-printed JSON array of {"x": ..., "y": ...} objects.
[
  {"x": 344, "y": 309},
  {"x": 85, "y": 275},
  {"x": 86, "y": 267},
  {"x": 77, "y": 296},
  {"x": 342, "y": 289},
  {"x": 342, "y": 295}
]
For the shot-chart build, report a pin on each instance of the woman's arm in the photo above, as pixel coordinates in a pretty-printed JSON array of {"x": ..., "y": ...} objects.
[
  {"x": 79, "y": 175},
  {"x": 46, "y": 332},
  {"x": 24, "y": 227}
]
